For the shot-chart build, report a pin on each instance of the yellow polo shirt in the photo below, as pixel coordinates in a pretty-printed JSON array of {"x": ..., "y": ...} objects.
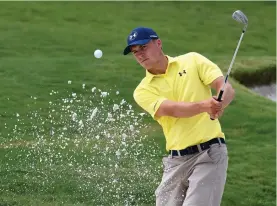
[{"x": 187, "y": 79}]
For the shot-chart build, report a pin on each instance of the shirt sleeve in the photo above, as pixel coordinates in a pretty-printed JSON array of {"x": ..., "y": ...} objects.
[
  {"x": 148, "y": 100},
  {"x": 207, "y": 70}
]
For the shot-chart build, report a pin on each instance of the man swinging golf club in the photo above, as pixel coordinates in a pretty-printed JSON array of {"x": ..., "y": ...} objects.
[{"x": 176, "y": 92}]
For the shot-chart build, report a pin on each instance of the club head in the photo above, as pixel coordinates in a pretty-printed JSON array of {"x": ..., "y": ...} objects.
[{"x": 240, "y": 17}]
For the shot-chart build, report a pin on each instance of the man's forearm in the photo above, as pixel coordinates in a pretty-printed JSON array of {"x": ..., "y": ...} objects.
[{"x": 187, "y": 109}]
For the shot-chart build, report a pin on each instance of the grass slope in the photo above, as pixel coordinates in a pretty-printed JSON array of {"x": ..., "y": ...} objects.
[{"x": 48, "y": 158}]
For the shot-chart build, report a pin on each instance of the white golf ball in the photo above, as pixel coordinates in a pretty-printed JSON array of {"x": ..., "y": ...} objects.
[{"x": 98, "y": 53}]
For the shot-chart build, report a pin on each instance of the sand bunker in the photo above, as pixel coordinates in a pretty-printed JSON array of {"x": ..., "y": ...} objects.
[{"x": 268, "y": 91}]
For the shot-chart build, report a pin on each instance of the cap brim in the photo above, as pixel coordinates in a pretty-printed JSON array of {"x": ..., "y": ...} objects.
[{"x": 127, "y": 50}]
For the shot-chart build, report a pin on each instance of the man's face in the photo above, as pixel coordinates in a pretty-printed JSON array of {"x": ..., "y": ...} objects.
[{"x": 149, "y": 54}]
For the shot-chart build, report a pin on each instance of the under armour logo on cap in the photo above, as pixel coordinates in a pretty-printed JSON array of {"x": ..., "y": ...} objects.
[
  {"x": 133, "y": 36},
  {"x": 139, "y": 36}
]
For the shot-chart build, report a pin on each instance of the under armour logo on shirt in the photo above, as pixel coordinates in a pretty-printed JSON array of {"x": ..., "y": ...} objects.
[{"x": 181, "y": 73}]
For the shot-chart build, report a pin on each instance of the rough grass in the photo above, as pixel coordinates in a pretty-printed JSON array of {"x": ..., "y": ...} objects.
[{"x": 46, "y": 44}]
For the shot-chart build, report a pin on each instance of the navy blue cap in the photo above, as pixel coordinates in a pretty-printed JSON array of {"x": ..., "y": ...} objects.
[{"x": 139, "y": 36}]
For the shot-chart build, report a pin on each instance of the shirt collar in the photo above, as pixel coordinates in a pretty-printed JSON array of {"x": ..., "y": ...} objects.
[{"x": 150, "y": 76}]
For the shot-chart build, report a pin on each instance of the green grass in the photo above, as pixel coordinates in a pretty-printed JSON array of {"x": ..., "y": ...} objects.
[{"x": 46, "y": 44}]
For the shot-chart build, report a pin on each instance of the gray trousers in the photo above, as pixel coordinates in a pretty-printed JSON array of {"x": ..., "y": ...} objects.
[{"x": 194, "y": 180}]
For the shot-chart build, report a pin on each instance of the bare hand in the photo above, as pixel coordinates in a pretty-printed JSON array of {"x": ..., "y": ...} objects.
[
  {"x": 214, "y": 108},
  {"x": 217, "y": 115}
]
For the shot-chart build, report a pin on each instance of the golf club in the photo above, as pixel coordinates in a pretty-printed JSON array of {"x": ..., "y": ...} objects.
[{"x": 240, "y": 17}]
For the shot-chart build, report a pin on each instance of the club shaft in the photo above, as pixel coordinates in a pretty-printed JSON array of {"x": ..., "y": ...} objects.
[
  {"x": 220, "y": 95},
  {"x": 233, "y": 60}
]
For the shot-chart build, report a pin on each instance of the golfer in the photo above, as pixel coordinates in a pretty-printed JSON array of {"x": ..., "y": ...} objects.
[{"x": 176, "y": 92}]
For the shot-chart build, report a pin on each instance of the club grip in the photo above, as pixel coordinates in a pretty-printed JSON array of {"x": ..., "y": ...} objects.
[{"x": 219, "y": 98}]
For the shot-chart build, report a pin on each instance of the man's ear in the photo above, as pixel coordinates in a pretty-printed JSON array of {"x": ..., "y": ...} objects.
[{"x": 159, "y": 43}]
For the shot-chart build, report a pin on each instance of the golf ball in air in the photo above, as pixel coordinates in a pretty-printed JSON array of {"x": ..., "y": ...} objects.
[{"x": 98, "y": 53}]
